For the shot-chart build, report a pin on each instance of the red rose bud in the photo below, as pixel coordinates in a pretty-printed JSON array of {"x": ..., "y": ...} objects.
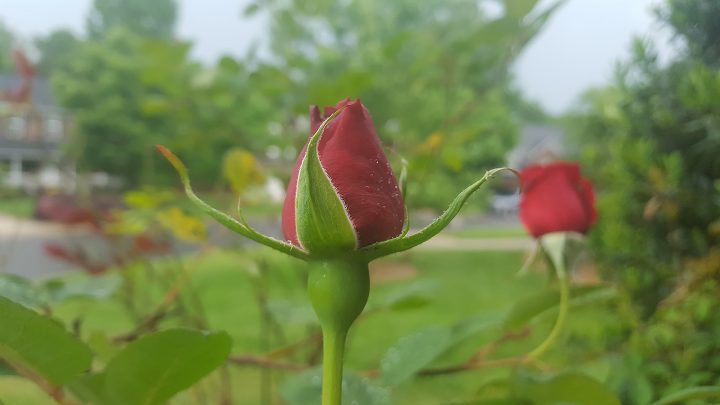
[
  {"x": 342, "y": 194},
  {"x": 556, "y": 198}
]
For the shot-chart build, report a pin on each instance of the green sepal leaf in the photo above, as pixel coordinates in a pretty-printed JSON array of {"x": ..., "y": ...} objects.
[
  {"x": 229, "y": 222},
  {"x": 322, "y": 222},
  {"x": 403, "y": 242},
  {"x": 40, "y": 345}
]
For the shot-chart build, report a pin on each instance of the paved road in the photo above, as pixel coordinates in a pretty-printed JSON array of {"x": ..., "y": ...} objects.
[{"x": 22, "y": 241}]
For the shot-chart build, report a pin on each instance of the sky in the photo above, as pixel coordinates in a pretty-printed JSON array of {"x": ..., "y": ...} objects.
[{"x": 577, "y": 50}]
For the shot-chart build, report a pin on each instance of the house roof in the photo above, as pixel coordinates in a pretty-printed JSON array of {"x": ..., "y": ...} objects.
[{"x": 41, "y": 91}]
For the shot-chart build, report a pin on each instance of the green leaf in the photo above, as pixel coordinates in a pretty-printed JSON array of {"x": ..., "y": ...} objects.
[
  {"x": 519, "y": 8},
  {"x": 683, "y": 396},
  {"x": 154, "y": 368},
  {"x": 21, "y": 291},
  {"x": 289, "y": 312},
  {"x": 40, "y": 344},
  {"x": 413, "y": 352},
  {"x": 306, "y": 388},
  {"x": 526, "y": 309},
  {"x": 471, "y": 326},
  {"x": 408, "y": 296},
  {"x": 5, "y": 369},
  {"x": 242, "y": 170},
  {"x": 566, "y": 388},
  {"x": 96, "y": 288},
  {"x": 323, "y": 224},
  {"x": 90, "y": 389}
]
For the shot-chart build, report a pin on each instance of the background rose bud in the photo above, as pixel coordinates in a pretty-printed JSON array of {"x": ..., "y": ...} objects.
[
  {"x": 351, "y": 156},
  {"x": 556, "y": 198}
]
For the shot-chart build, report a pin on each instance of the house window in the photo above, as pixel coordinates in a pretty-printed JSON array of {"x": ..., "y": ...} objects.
[
  {"x": 16, "y": 127},
  {"x": 53, "y": 129}
]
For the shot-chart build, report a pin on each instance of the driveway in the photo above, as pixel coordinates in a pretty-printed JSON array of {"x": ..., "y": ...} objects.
[{"x": 22, "y": 242}]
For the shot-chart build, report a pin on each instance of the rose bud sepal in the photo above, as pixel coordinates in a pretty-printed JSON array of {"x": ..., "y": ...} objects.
[{"x": 324, "y": 227}]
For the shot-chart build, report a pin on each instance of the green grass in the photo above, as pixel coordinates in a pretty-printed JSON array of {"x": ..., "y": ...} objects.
[
  {"x": 17, "y": 206},
  {"x": 466, "y": 284},
  {"x": 509, "y": 232}
]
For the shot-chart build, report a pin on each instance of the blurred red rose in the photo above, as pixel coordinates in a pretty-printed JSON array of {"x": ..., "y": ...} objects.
[
  {"x": 556, "y": 198},
  {"x": 352, "y": 156}
]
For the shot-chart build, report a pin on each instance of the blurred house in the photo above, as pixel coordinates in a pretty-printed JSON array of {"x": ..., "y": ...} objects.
[
  {"x": 537, "y": 144},
  {"x": 32, "y": 130}
]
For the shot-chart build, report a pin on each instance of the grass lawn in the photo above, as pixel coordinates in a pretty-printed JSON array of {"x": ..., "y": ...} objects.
[
  {"x": 460, "y": 284},
  {"x": 508, "y": 232},
  {"x": 17, "y": 206}
]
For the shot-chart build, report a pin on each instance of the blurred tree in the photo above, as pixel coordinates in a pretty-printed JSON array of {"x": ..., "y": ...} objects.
[
  {"x": 695, "y": 21},
  {"x": 651, "y": 141},
  {"x": 113, "y": 86},
  {"x": 152, "y": 19},
  {"x": 56, "y": 50},
  {"x": 222, "y": 107},
  {"x": 6, "y": 47},
  {"x": 434, "y": 73},
  {"x": 129, "y": 93}
]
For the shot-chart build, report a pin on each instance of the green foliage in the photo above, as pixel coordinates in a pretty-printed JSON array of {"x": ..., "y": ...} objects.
[
  {"x": 657, "y": 127},
  {"x": 129, "y": 86},
  {"x": 684, "y": 395},
  {"x": 678, "y": 348},
  {"x": 306, "y": 389},
  {"x": 153, "y": 369},
  {"x": 651, "y": 144},
  {"x": 39, "y": 345},
  {"x": 108, "y": 86},
  {"x": 6, "y": 47},
  {"x": 565, "y": 388},
  {"x": 436, "y": 70},
  {"x": 21, "y": 291},
  {"x": 695, "y": 21},
  {"x": 56, "y": 51},
  {"x": 148, "y": 371},
  {"x": 414, "y": 352},
  {"x": 526, "y": 309},
  {"x": 242, "y": 171},
  {"x": 151, "y": 19}
]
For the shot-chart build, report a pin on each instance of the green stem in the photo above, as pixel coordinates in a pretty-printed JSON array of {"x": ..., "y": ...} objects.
[
  {"x": 338, "y": 291},
  {"x": 559, "y": 322},
  {"x": 333, "y": 354}
]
